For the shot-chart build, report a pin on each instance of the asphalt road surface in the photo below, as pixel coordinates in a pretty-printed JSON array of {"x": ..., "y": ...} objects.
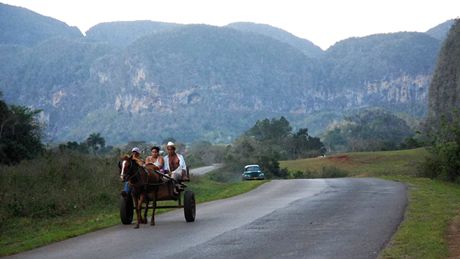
[{"x": 334, "y": 218}]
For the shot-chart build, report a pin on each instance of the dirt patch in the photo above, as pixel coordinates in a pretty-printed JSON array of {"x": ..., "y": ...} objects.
[
  {"x": 342, "y": 158},
  {"x": 453, "y": 237}
]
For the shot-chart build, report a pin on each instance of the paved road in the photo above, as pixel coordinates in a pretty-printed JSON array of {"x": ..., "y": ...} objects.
[
  {"x": 204, "y": 169},
  {"x": 334, "y": 218}
]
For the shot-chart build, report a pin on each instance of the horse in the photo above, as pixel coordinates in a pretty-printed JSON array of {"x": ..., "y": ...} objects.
[{"x": 147, "y": 185}]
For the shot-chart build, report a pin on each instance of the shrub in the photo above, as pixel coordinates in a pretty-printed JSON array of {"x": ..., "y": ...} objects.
[
  {"x": 325, "y": 172},
  {"x": 444, "y": 159},
  {"x": 333, "y": 172}
]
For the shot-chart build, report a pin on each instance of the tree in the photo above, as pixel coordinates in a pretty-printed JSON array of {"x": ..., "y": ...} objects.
[
  {"x": 271, "y": 131},
  {"x": 20, "y": 133},
  {"x": 303, "y": 145},
  {"x": 95, "y": 142}
]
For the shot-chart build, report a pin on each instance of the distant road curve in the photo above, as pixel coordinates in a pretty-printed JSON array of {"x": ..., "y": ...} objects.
[
  {"x": 320, "y": 218},
  {"x": 205, "y": 169}
]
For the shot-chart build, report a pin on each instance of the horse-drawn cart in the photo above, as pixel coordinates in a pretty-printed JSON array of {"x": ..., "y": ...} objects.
[
  {"x": 155, "y": 187},
  {"x": 188, "y": 198}
]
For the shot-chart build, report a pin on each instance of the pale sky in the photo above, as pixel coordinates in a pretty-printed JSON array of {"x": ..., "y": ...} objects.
[{"x": 323, "y": 22}]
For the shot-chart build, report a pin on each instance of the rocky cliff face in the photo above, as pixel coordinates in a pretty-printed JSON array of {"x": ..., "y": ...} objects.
[
  {"x": 203, "y": 82},
  {"x": 444, "y": 95}
]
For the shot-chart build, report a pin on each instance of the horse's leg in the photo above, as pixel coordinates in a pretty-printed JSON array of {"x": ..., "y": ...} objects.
[
  {"x": 138, "y": 210},
  {"x": 147, "y": 201}
]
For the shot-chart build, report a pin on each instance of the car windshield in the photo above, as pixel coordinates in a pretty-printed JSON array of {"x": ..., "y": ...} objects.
[{"x": 252, "y": 168}]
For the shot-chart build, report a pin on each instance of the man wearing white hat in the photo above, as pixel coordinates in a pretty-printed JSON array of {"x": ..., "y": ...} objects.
[{"x": 174, "y": 163}]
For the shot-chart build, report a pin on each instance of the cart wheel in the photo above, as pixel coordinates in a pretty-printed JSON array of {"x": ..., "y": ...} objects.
[
  {"x": 189, "y": 206},
  {"x": 126, "y": 210}
]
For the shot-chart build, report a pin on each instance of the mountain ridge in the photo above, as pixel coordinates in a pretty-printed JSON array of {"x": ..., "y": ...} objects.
[
  {"x": 33, "y": 28},
  {"x": 207, "y": 82},
  {"x": 307, "y": 47}
]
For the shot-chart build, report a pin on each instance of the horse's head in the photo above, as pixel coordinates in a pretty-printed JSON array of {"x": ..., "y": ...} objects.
[{"x": 127, "y": 167}]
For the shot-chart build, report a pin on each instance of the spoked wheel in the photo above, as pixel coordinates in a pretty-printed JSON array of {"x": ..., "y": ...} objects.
[
  {"x": 189, "y": 206},
  {"x": 126, "y": 210}
]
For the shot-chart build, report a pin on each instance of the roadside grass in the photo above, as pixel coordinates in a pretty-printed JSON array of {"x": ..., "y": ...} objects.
[
  {"x": 21, "y": 233},
  {"x": 432, "y": 206}
]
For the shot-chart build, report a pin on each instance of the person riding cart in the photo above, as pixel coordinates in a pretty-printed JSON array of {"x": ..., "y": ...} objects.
[
  {"x": 174, "y": 166},
  {"x": 174, "y": 163}
]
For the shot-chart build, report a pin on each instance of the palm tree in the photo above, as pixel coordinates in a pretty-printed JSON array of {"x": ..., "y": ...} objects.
[{"x": 95, "y": 141}]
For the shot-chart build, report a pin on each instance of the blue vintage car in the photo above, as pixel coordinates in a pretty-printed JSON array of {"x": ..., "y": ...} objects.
[{"x": 252, "y": 172}]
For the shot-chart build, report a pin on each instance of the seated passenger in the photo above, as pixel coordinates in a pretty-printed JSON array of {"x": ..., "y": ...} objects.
[
  {"x": 155, "y": 161},
  {"x": 174, "y": 164}
]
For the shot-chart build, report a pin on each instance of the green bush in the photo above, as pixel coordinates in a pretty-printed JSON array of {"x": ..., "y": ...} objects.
[{"x": 444, "y": 160}]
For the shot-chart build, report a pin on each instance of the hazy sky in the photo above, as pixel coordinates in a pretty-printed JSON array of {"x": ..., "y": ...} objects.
[{"x": 323, "y": 22}]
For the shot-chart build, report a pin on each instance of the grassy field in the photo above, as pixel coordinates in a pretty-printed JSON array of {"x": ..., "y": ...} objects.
[
  {"x": 58, "y": 197},
  {"x": 432, "y": 204},
  {"x": 363, "y": 164}
]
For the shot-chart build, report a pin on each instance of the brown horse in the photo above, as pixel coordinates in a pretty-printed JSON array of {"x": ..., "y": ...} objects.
[{"x": 147, "y": 185}]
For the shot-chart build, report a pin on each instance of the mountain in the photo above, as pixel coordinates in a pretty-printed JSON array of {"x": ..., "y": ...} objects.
[
  {"x": 444, "y": 94},
  {"x": 387, "y": 70},
  {"x": 121, "y": 34},
  {"x": 305, "y": 46},
  {"x": 440, "y": 31},
  {"x": 149, "y": 81},
  {"x": 23, "y": 27},
  {"x": 193, "y": 82}
]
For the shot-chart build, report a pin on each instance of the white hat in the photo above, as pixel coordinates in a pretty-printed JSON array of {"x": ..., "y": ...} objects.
[
  {"x": 170, "y": 144},
  {"x": 136, "y": 149}
]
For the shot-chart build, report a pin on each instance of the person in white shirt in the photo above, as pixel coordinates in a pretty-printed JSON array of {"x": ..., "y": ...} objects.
[{"x": 174, "y": 164}]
